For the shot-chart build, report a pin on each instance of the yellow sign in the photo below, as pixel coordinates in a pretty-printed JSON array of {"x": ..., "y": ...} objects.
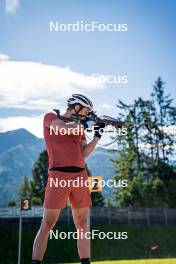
[
  {"x": 95, "y": 183},
  {"x": 26, "y": 204}
]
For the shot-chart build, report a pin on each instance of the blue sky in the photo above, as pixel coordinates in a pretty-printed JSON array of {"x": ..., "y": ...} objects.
[{"x": 144, "y": 52}]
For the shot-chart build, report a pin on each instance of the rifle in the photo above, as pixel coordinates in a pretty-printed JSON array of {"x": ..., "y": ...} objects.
[{"x": 93, "y": 117}]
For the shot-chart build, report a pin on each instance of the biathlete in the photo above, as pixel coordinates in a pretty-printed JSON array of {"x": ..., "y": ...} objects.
[{"x": 66, "y": 154}]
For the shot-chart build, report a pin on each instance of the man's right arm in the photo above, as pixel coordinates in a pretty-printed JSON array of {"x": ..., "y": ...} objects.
[{"x": 52, "y": 121}]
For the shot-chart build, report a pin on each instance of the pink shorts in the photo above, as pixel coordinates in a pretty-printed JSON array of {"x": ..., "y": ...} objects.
[{"x": 62, "y": 186}]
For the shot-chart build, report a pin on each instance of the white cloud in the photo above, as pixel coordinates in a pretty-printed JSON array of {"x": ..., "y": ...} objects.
[
  {"x": 105, "y": 106},
  {"x": 33, "y": 124},
  {"x": 107, "y": 109},
  {"x": 11, "y": 6},
  {"x": 34, "y": 85},
  {"x": 4, "y": 57}
]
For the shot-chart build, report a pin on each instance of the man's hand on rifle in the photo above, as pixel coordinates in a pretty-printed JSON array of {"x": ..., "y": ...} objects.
[
  {"x": 99, "y": 130},
  {"x": 88, "y": 123},
  {"x": 97, "y": 127}
]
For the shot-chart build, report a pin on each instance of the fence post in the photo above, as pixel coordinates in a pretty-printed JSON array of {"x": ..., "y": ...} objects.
[
  {"x": 129, "y": 217},
  {"x": 165, "y": 216},
  {"x": 19, "y": 237},
  {"x": 13, "y": 211},
  {"x": 109, "y": 216},
  {"x": 148, "y": 217}
]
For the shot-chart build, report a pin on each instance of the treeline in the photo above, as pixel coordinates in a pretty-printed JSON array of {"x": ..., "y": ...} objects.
[{"x": 147, "y": 152}]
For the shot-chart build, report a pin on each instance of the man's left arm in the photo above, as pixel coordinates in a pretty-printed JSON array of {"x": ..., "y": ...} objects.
[{"x": 88, "y": 148}]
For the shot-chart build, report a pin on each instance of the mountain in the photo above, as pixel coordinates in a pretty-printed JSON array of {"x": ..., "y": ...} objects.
[{"x": 19, "y": 149}]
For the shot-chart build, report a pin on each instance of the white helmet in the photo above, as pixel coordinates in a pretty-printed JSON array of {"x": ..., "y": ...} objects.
[{"x": 80, "y": 99}]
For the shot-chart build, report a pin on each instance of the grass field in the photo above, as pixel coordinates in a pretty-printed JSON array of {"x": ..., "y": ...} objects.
[
  {"x": 139, "y": 239},
  {"x": 145, "y": 261}
]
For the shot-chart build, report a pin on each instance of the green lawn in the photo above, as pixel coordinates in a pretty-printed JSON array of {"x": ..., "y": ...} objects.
[
  {"x": 65, "y": 251},
  {"x": 147, "y": 261}
]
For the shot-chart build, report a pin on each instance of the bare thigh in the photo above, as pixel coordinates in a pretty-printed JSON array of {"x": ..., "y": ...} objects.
[
  {"x": 50, "y": 217},
  {"x": 80, "y": 216}
]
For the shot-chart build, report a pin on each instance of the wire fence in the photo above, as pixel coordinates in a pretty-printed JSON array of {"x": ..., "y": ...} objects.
[{"x": 104, "y": 215}]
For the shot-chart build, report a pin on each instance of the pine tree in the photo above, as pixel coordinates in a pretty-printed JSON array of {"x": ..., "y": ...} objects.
[
  {"x": 39, "y": 177},
  {"x": 166, "y": 116},
  {"x": 147, "y": 148},
  {"x": 25, "y": 188}
]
